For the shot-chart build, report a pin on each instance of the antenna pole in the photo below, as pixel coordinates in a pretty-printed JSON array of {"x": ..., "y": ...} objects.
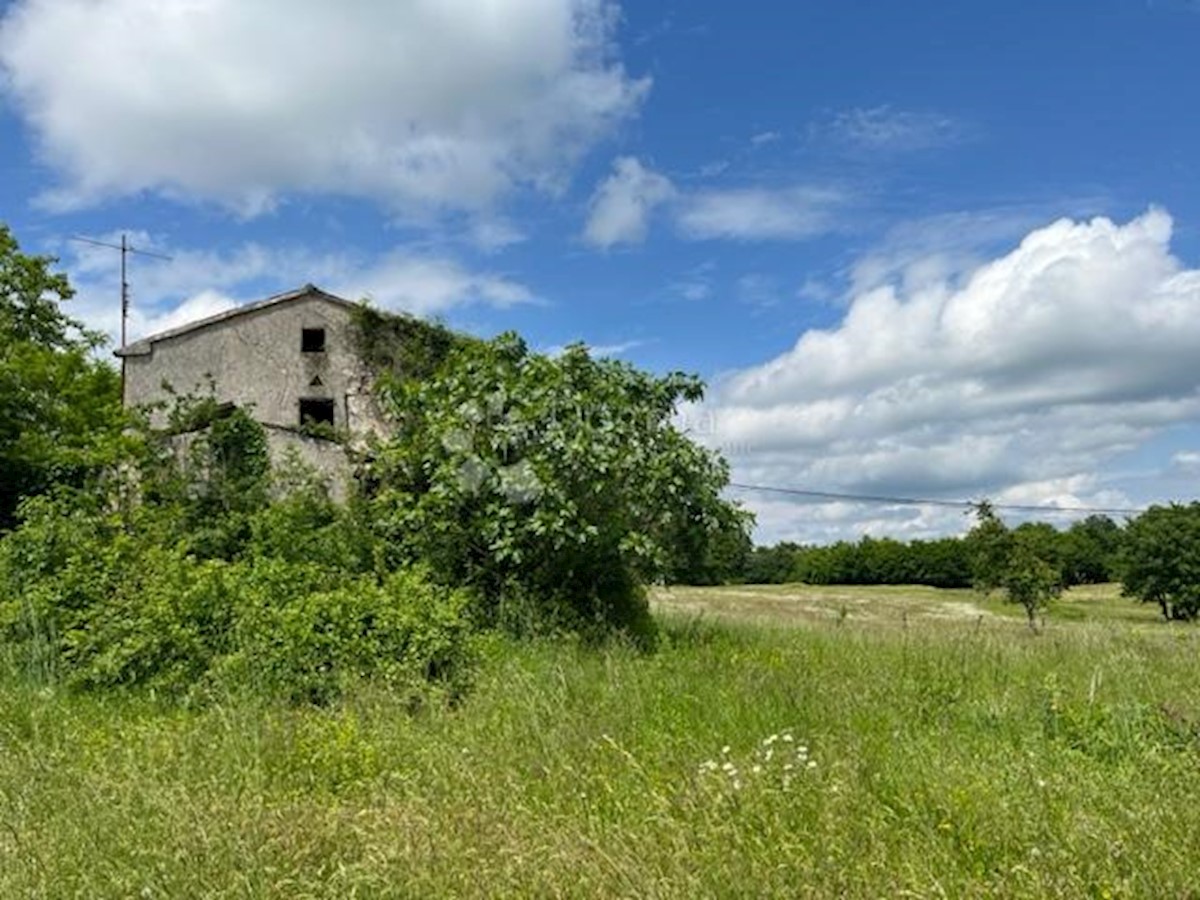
[
  {"x": 125, "y": 248},
  {"x": 124, "y": 290}
]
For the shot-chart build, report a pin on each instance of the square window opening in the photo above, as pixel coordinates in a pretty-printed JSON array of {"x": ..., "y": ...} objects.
[
  {"x": 316, "y": 412},
  {"x": 312, "y": 340}
]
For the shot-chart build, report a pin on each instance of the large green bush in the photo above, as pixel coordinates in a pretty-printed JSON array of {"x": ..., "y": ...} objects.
[{"x": 554, "y": 487}]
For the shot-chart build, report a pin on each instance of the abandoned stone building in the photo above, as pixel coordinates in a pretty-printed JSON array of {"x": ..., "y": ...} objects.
[{"x": 291, "y": 361}]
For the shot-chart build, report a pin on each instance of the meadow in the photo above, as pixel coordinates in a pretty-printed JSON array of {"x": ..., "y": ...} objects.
[{"x": 782, "y": 741}]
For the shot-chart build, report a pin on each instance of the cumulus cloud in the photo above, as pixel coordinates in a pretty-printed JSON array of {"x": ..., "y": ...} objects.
[
  {"x": 621, "y": 206},
  {"x": 423, "y": 106},
  {"x": 1019, "y": 380},
  {"x": 748, "y": 214}
]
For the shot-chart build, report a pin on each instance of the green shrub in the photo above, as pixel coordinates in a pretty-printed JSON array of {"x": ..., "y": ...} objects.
[
  {"x": 405, "y": 633},
  {"x": 99, "y": 608}
]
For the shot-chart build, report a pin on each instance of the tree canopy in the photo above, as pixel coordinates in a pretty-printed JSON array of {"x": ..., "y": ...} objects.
[
  {"x": 554, "y": 486},
  {"x": 58, "y": 403},
  {"x": 1160, "y": 562}
]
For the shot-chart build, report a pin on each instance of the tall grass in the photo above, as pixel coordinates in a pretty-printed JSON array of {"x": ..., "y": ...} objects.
[{"x": 941, "y": 759}]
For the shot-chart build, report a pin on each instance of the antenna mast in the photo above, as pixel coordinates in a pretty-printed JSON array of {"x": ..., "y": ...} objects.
[{"x": 126, "y": 248}]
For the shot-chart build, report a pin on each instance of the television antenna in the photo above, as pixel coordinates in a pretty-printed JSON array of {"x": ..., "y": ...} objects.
[{"x": 126, "y": 248}]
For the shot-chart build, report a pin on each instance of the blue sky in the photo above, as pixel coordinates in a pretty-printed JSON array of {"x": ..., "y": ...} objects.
[{"x": 921, "y": 249}]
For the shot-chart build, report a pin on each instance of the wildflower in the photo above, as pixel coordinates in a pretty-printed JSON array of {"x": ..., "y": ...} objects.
[
  {"x": 768, "y": 741},
  {"x": 725, "y": 750},
  {"x": 812, "y": 764},
  {"x": 757, "y": 770},
  {"x": 787, "y": 736}
]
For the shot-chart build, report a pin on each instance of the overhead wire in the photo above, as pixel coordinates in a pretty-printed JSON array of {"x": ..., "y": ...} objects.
[{"x": 928, "y": 501}]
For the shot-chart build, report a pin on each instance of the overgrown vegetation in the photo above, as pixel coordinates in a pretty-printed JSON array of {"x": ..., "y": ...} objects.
[
  {"x": 532, "y": 494},
  {"x": 183, "y": 575},
  {"x": 400, "y": 346}
]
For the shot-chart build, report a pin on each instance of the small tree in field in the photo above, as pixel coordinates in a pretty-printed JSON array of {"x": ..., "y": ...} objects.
[
  {"x": 1014, "y": 561},
  {"x": 1160, "y": 560}
]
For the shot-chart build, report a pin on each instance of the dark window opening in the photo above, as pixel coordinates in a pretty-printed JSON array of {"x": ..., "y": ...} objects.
[
  {"x": 312, "y": 340},
  {"x": 316, "y": 412}
]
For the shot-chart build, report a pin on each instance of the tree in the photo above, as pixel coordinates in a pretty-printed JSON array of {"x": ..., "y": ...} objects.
[
  {"x": 990, "y": 544},
  {"x": 554, "y": 487},
  {"x": 1014, "y": 561},
  {"x": 1090, "y": 551},
  {"x": 58, "y": 404},
  {"x": 1160, "y": 560}
]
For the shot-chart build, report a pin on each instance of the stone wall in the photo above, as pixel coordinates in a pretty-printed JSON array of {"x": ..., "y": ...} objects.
[{"x": 254, "y": 360}]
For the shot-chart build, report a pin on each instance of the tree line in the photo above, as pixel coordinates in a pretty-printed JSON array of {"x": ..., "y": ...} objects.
[
  {"x": 1087, "y": 552},
  {"x": 1154, "y": 555}
]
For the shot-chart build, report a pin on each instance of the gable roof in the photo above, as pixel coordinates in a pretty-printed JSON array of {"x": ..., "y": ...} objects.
[{"x": 144, "y": 346}]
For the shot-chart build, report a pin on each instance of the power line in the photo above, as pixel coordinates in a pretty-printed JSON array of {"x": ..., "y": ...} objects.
[{"x": 914, "y": 501}]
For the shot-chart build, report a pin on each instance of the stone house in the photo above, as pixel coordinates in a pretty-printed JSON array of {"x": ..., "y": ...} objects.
[{"x": 291, "y": 361}]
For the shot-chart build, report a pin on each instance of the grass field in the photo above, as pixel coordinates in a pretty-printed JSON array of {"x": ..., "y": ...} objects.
[{"x": 782, "y": 742}]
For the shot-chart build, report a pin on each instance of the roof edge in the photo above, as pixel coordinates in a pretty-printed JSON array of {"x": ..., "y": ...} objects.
[{"x": 144, "y": 346}]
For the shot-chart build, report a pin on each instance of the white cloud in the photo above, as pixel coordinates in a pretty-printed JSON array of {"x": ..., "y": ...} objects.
[
  {"x": 1020, "y": 380},
  {"x": 792, "y": 213},
  {"x": 1187, "y": 461},
  {"x": 940, "y": 247},
  {"x": 428, "y": 285},
  {"x": 423, "y": 106},
  {"x": 599, "y": 351},
  {"x": 885, "y": 128},
  {"x": 765, "y": 137},
  {"x": 494, "y": 233},
  {"x": 622, "y": 204},
  {"x": 193, "y": 309}
]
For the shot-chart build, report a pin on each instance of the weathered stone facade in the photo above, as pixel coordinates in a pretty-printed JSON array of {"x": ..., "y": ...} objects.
[{"x": 286, "y": 360}]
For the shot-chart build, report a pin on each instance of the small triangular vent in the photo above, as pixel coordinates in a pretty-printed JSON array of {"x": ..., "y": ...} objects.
[{"x": 316, "y": 382}]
